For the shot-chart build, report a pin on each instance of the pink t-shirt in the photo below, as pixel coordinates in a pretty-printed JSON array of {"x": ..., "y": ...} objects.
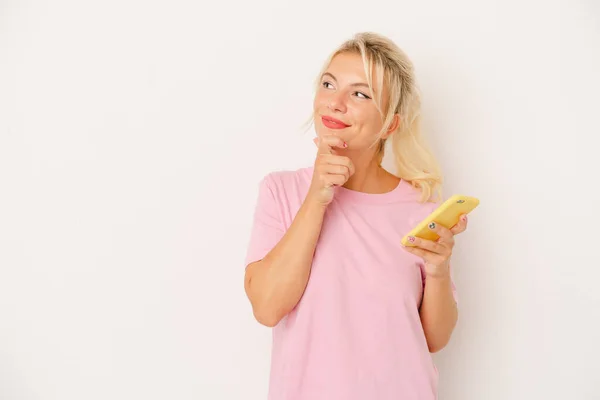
[{"x": 356, "y": 333}]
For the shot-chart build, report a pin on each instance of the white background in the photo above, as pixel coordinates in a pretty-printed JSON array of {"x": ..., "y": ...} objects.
[{"x": 133, "y": 135}]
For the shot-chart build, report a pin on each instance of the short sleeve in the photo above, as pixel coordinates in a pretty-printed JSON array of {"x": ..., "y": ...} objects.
[{"x": 267, "y": 226}]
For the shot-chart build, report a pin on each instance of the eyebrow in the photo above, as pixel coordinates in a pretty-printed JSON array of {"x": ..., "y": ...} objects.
[{"x": 361, "y": 84}]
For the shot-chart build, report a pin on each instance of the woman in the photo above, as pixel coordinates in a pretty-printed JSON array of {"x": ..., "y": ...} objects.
[{"x": 355, "y": 315}]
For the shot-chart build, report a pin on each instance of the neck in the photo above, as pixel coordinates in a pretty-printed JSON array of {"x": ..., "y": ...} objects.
[{"x": 369, "y": 175}]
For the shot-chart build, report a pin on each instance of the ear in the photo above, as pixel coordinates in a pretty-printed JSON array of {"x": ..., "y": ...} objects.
[{"x": 393, "y": 126}]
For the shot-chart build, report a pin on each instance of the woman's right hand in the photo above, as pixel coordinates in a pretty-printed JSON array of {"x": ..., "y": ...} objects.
[{"x": 330, "y": 169}]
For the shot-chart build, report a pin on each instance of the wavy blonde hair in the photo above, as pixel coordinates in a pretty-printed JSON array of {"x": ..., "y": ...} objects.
[{"x": 414, "y": 161}]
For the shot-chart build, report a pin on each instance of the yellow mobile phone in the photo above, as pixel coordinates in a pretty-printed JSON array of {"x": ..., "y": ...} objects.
[{"x": 447, "y": 215}]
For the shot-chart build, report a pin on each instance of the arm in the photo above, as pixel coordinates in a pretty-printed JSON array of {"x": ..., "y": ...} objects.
[
  {"x": 439, "y": 312},
  {"x": 276, "y": 283}
]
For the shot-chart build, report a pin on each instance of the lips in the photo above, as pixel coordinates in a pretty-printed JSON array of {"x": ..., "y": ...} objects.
[{"x": 333, "y": 123}]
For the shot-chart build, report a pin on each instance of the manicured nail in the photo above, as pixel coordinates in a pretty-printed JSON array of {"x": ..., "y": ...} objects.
[
  {"x": 345, "y": 144},
  {"x": 432, "y": 225},
  {"x": 464, "y": 218},
  {"x": 411, "y": 239}
]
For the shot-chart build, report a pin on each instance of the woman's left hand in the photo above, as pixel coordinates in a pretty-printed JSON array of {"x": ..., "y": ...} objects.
[{"x": 436, "y": 254}]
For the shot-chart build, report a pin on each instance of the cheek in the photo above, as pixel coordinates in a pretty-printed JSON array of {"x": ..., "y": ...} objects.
[
  {"x": 366, "y": 128},
  {"x": 374, "y": 123},
  {"x": 374, "y": 119},
  {"x": 365, "y": 119}
]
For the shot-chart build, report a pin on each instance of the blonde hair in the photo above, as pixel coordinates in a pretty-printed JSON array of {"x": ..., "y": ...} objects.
[{"x": 414, "y": 161}]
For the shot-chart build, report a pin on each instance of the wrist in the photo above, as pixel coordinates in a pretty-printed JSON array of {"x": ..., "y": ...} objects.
[
  {"x": 439, "y": 277},
  {"x": 313, "y": 207},
  {"x": 312, "y": 204}
]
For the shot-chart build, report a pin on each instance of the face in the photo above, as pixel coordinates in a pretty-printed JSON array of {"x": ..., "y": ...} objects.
[{"x": 345, "y": 106}]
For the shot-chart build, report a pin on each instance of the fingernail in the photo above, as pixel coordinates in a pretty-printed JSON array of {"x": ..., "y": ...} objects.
[
  {"x": 464, "y": 218},
  {"x": 345, "y": 144},
  {"x": 411, "y": 239},
  {"x": 432, "y": 225}
]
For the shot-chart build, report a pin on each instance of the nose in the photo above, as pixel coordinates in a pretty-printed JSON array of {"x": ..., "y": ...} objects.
[{"x": 337, "y": 103}]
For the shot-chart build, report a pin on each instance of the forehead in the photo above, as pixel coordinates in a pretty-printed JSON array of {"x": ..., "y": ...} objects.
[{"x": 348, "y": 65}]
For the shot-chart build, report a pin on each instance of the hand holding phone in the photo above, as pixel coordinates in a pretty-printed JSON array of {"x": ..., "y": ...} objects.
[{"x": 447, "y": 215}]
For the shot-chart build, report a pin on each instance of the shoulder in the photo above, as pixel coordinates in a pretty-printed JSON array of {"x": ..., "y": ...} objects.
[
  {"x": 284, "y": 180},
  {"x": 412, "y": 196},
  {"x": 282, "y": 192}
]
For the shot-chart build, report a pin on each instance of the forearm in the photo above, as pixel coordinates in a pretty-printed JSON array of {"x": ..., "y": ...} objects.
[
  {"x": 275, "y": 284},
  {"x": 438, "y": 312}
]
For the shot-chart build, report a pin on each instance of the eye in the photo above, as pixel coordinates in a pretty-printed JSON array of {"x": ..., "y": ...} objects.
[
  {"x": 324, "y": 84},
  {"x": 358, "y": 94}
]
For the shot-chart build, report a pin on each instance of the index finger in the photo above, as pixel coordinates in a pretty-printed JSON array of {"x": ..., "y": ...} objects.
[
  {"x": 328, "y": 142},
  {"x": 444, "y": 233}
]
